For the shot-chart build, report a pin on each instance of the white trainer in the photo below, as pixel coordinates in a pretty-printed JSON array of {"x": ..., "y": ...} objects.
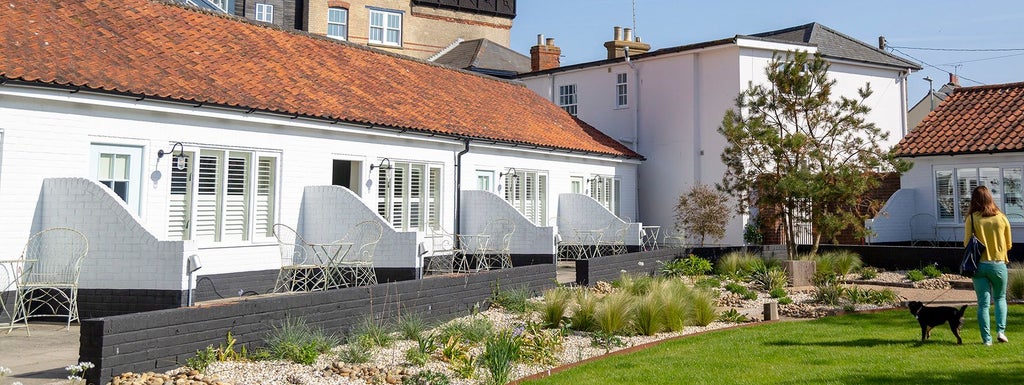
[{"x": 1002, "y": 338}]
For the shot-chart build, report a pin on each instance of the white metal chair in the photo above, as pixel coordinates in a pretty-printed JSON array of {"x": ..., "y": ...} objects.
[
  {"x": 443, "y": 257},
  {"x": 49, "y": 285},
  {"x": 300, "y": 270},
  {"x": 356, "y": 268},
  {"x": 616, "y": 244},
  {"x": 497, "y": 251},
  {"x": 922, "y": 229}
]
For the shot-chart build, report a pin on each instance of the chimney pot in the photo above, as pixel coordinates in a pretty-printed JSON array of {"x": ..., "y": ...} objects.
[
  {"x": 628, "y": 34},
  {"x": 550, "y": 42},
  {"x": 954, "y": 80},
  {"x": 540, "y": 39},
  {"x": 544, "y": 55},
  {"x": 618, "y": 33},
  {"x": 881, "y": 42}
]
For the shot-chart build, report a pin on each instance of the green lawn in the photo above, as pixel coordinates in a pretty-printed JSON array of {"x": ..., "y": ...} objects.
[{"x": 880, "y": 348}]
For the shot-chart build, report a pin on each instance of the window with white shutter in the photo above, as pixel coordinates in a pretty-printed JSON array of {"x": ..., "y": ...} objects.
[
  {"x": 409, "y": 195},
  {"x": 605, "y": 190},
  {"x": 527, "y": 192},
  {"x": 223, "y": 196}
]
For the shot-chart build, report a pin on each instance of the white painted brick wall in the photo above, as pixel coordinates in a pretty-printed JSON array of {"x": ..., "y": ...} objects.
[
  {"x": 329, "y": 212},
  {"x": 892, "y": 224},
  {"x": 122, "y": 254},
  {"x": 581, "y": 212},
  {"x": 482, "y": 207}
]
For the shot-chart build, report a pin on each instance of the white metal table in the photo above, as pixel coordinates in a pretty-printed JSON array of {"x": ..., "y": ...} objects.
[
  {"x": 650, "y": 237},
  {"x": 590, "y": 241}
]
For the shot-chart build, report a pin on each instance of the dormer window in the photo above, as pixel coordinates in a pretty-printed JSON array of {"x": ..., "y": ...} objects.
[
  {"x": 385, "y": 27},
  {"x": 337, "y": 23}
]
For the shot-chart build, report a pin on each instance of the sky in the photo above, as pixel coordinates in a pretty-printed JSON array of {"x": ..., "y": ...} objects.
[{"x": 992, "y": 31}]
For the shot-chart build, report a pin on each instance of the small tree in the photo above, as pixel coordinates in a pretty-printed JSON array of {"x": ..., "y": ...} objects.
[
  {"x": 804, "y": 154},
  {"x": 703, "y": 212}
]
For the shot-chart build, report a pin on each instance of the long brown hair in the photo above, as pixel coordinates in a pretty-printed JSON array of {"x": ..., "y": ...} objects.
[{"x": 981, "y": 202}]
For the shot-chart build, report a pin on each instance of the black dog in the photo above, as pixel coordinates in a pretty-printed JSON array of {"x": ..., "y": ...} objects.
[{"x": 930, "y": 317}]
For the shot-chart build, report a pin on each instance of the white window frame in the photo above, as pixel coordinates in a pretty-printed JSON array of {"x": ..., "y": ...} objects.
[
  {"x": 384, "y": 27},
  {"x": 221, "y": 4},
  {"x": 527, "y": 191},
  {"x": 605, "y": 189},
  {"x": 567, "y": 98},
  {"x": 265, "y": 12},
  {"x": 621, "y": 90},
  {"x": 407, "y": 203},
  {"x": 995, "y": 177},
  {"x": 133, "y": 193},
  {"x": 342, "y": 25},
  {"x": 485, "y": 180},
  {"x": 221, "y": 213},
  {"x": 576, "y": 184}
]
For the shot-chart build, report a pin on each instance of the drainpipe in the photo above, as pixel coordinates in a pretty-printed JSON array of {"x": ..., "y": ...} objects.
[
  {"x": 458, "y": 188},
  {"x": 636, "y": 129}
]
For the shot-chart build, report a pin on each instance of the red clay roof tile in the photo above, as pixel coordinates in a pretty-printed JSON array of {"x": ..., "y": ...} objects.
[
  {"x": 971, "y": 120},
  {"x": 153, "y": 48}
]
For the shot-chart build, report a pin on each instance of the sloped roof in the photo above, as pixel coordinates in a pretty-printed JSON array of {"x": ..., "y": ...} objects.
[
  {"x": 831, "y": 43},
  {"x": 984, "y": 119},
  {"x": 158, "y": 49},
  {"x": 485, "y": 56}
]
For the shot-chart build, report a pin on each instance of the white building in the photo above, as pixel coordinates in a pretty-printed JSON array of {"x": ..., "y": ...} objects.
[
  {"x": 974, "y": 137},
  {"x": 668, "y": 104},
  {"x": 247, "y": 122}
]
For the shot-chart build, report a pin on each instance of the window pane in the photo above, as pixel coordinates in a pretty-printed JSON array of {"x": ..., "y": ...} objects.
[
  {"x": 966, "y": 181},
  {"x": 990, "y": 178},
  {"x": 121, "y": 189},
  {"x": 394, "y": 21},
  {"x": 121, "y": 167},
  {"x": 376, "y": 19},
  {"x": 944, "y": 193},
  {"x": 376, "y": 34},
  {"x": 103, "y": 166},
  {"x": 393, "y": 36},
  {"x": 1013, "y": 195}
]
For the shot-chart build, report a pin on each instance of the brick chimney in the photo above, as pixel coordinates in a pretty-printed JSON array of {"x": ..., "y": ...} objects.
[
  {"x": 622, "y": 39},
  {"x": 954, "y": 80},
  {"x": 545, "y": 55}
]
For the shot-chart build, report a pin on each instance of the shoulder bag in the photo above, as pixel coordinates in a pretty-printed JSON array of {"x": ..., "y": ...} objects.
[{"x": 972, "y": 253}]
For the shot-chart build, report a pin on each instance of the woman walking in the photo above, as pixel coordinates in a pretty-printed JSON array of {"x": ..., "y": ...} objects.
[{"x": 985, "y": 221}]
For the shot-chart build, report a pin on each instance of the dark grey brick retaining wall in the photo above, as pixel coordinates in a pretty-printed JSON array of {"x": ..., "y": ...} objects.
[
  {"x": 161, "y": 340},
  {"x": 904, "y": 257},
  {"x": 608, "y": 268}
]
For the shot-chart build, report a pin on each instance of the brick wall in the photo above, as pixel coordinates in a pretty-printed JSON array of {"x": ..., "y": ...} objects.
[
  {"x": 480, "y": 207},
  {"x": 578, "y": 211},
  {"x": 162, "y": 340}
]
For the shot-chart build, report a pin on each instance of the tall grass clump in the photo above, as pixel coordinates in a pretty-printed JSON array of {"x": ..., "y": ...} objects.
[
  {"x": 295, "y": 340},
  {"x": 553, "y": 308},
  {"x": 412, "y": 326},
  {"x": 613, "y": 313},
  {"x": 828, "y": 289},
  {"x": 584, "y": 309},
  {"x": 474, "y": 330},
  {"x": 702, "y": 310},
  {"x": 635, "y": 284},
  {"x": 1015, "y": 283},
  {"x": 769, "y": 278},
  {"x": 515, "y": 299},
  {"x": 675, "y": 303},
  {"x": 373, "y": 331},
  {"x": 648, "y": 318},
  {"x": 737, "y": 264},
  {"x": 501, "y": 351}
]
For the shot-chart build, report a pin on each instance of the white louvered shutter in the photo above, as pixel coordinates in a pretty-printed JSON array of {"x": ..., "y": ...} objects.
[
  {"x": 266, "y": 184},
  {"x": 398, "y": 191},
  {"x": 528, "y": 179},
  {"x": 179, "y": 213},
  {"x": 236, "y": 198},
  {"x": 542, "y": 200},
  {"x": 416, "y": 196},
  {"x": 434, "y": 194},
  {"x": 206, "y": 200},
  {"x": 383, "y": 193}
]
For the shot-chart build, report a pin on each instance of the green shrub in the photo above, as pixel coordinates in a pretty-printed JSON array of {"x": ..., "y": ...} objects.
[
  {"x": 828, "y": 289},
  {"x": 884, "y": 297},
  {"x": 769, "y": 278},
  {"x": 915, "y": 275},
  {"x": 427, "y": 377},
  {"x": 702, "y": 308},
  {"x": 931, "y": 271},
  {"x": 696, "y": 266},
  {"x": 474, "y": 330},
  {"x": 785, "y": 301},
  {"x": 857, "y": 295},
  {"x": 1015, "y": 284},
  {"x": 635, "y": 284},
  {"x": 582, "y": 318},
  {"x": 868, "y": 272},
  {"x": 465, "y": 366},
  {"x": 556, "y": 302},
  {"x": 733, "y": 316},
  {"x": 373, "y": 331},
  {"x": 737, "y": 265},
  {"x": 420, "y": 354},
  {"x": 734, "y": 287},
  {"x": 676, "y": 304},
  {"x": 648, "y": 318},
  {"x": 540, "y": 346},
  {"x": 501, "y": 351},
  {"x": 202, "y": 359},
  {"x": 708, "y": 283},
  {"x": 846, "y": 262},
  {"x": 613, "y": 313},
  {"x": 412, "y": 326},
  {"x": 515, "y": 300},
  {"x": 293, "y": 339},
  {"x": 358, "y": 351}
]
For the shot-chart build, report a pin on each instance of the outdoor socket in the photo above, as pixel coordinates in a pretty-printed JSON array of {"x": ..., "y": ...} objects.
[{"x": 771, "y": 311}]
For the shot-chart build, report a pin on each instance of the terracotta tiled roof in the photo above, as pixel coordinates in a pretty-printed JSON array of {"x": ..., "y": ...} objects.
[
  {"x": 158, "y": 49},
  {"x": 984, "y": 119}
]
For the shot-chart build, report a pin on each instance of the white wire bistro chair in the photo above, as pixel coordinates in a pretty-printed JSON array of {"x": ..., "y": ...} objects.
[
  {"x": 300, "y": 268},
  {"x": 497, "y": 252},
  {"x": 49, "y": 285},
  {"x": 356, "y": 268}
]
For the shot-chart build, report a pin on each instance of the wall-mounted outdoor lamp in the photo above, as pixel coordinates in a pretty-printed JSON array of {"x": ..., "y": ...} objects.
[
  {"x": 382, "y": 165},
  {"x": 179, "y": 160},
  {"x": 510, "y": 171}
]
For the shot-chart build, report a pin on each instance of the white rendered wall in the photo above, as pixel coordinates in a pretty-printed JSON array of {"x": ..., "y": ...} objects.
[
  {"x": 578, "y": 212},
  {"x": 48, "y": 134}
]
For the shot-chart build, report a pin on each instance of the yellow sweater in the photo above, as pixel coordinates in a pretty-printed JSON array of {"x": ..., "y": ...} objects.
[{"x": 993, "y": 232}]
